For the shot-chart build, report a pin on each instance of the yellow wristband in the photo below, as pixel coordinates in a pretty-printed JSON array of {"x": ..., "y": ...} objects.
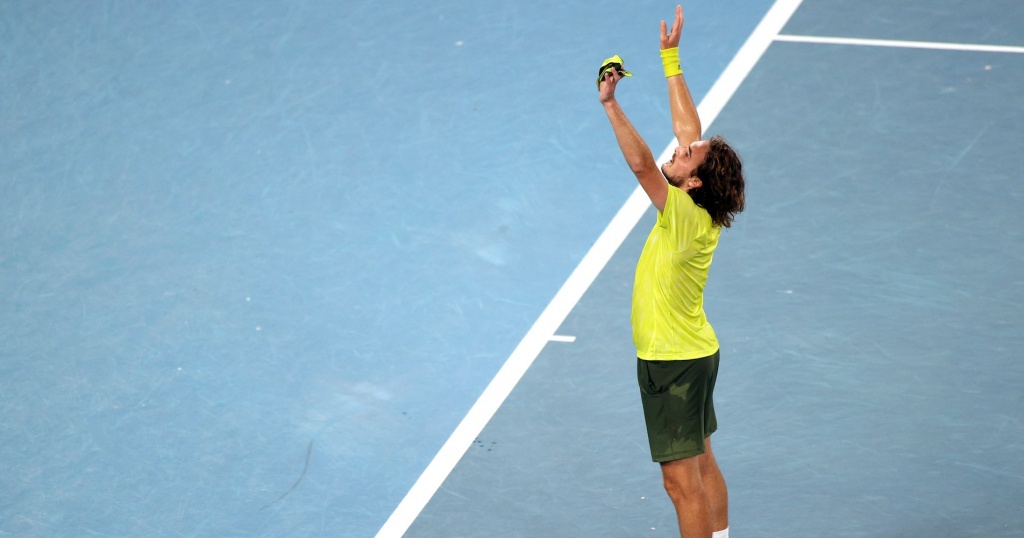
[{"x": 670, "y": 61}]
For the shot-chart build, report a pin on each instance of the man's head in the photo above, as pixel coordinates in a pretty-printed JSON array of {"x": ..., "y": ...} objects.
[{"x": 712, "y": 174}]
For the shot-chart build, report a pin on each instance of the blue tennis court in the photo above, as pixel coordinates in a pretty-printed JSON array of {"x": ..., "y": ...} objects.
[{"x": 364, "y": 269}]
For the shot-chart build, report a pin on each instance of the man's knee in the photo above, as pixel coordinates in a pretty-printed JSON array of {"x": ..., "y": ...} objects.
[
  {"x": 682, "y": 478},
  {"x": 706, "y": 461}
]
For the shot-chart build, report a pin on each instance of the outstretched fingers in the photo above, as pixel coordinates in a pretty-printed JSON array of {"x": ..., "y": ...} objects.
[{"x": 670, "y": 38}]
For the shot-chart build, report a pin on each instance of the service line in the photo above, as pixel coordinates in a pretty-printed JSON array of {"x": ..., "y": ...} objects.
[{"x": 897, "y": 43}]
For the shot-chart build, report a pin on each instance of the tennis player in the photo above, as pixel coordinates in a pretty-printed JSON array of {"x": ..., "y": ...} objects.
[{"x": 697, "y": 193}]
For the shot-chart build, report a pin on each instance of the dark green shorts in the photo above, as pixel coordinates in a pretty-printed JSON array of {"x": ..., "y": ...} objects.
[{"x": 678, "y": 407}]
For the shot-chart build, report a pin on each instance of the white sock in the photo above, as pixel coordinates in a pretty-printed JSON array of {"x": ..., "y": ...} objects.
[{"x": 724, "y": 533}]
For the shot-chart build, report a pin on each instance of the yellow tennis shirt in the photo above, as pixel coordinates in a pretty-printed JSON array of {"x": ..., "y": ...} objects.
[{"x": 668, "y": 290}]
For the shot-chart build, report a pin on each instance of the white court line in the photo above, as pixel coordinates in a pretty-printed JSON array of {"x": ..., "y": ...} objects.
[
  {"x": 895, "y": 43},
  {"x": 561, "y": 338},
  {"x": 581, "y": 278}
]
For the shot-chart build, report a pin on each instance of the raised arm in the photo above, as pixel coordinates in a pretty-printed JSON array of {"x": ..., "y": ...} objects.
[
  {"x": 636, "y": 152},
  {"x": 685, "y": 122}
]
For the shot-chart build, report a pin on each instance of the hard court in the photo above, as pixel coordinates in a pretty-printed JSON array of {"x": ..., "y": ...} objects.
[{"x": 364, "y": 268}]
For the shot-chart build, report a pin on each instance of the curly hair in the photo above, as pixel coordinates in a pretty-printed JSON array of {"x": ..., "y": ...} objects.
[{"x": 721, "y": 176}]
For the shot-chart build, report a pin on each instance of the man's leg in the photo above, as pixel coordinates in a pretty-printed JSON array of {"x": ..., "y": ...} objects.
[
  {"x": 714, "y": 486},
  {"x": 685, "y": 487}
]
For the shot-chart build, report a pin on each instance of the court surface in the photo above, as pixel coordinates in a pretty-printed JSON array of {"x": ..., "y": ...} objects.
[{"x": 358, "y": 269}]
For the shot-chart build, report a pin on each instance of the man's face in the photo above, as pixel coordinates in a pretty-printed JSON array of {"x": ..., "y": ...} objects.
[{"x": 684, "y": 162}]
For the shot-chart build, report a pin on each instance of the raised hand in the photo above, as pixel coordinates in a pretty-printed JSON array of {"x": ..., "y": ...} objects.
[
  {"x": 608, "y": 82},
  {"x": 670, "y": 39}
]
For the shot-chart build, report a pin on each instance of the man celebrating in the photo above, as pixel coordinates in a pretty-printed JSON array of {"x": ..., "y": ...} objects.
[{"x": 697, "y": 193}]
